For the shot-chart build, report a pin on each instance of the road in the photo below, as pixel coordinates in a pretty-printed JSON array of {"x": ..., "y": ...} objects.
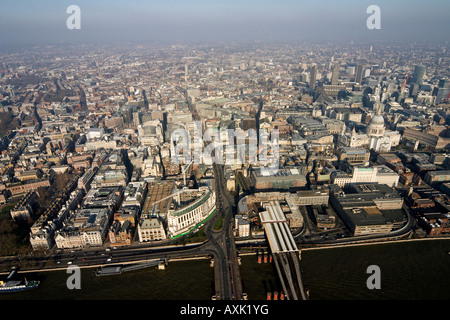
[
  {"x": 223, "y": 246},
  {"x": 99, "y": 256},
  {"x": 220, "y": 244}
]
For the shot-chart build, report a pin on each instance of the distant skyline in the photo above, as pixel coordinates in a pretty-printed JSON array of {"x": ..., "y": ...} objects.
[{"x": 174, "y": 21}]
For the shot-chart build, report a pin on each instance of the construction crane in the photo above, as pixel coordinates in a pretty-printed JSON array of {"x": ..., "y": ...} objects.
[
  {"x": 404, "y": 82},
  {"x": 184, "y": 168},
  {"x": 176, "y": 194}
]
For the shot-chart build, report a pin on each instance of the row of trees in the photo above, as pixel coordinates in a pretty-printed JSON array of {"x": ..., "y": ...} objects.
[{"x": 14, "y": 235}]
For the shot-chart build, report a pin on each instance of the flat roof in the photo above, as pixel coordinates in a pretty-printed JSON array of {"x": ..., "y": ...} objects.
[
  {"x": 361, "y": 217},
  {"x": 157, "y": 190}
]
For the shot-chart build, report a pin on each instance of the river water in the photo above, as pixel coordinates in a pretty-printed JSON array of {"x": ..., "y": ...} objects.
[{"x": 409, "y": 271}]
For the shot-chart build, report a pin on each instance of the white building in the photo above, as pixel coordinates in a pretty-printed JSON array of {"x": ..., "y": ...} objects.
[
  {"x": 87, "y": 228},
  {"x": 152, "y": 167},
  {"x": 95, "y": 133},
  {"x": 354, "y": 140},
  {"x": 100, "y": 144},
  {"x": 150, "y": 133},
  {"x": 151, "y": 229},
  {"x": 377, "y": 174},
  {"x": 84, "y": 182},
  {"x": 68, "y": 239},
  {"x": 381, "y": 140},
  {"x": 134, "y": 194},
  {"x": 376, "y": 137},
  {"x": 186, "y": 217},
  {"x": 42, "y": 238},
  {"x": 242, "y": 225}
]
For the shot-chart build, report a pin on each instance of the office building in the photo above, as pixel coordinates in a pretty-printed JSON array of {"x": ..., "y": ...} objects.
[
  {"x": 86, "y": 228},
  {"x": 378, "y": 174},
  {"x": 335, "y": 74},
  {"x": 359, "y": 73},
  {"x": 312, "y": 77},
  {"x": 120, "y": 233},
  {"x": 419, "y": 72},
  {"x": 443, "y": 91},
  {"x": 284, "y": 179},
  {"x": 353, "y": 155},
  {"x": 435, "y": 177},
  {"x": 430, "y": 136},
  {"x": 242, "y": 225},
  {"x": 190, "y": 207},
  {"x": 151, "y": 229},
  {"x": 134, "y": 194},
  {"x": 368, "y": 208}
]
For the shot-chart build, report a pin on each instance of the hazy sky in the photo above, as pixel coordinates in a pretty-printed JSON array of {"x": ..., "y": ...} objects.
[{"x": 44, "y": 21}]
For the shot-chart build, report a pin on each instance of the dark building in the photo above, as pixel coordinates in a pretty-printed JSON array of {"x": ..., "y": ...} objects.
[
  {"x": 359, "y": 73},
  {"x": 419, "y": 72},
  {"x": 248, "y": 124},
  {"x": 335, "y": 75},
  {"x": 442, "y": 91},
  {"x": 312, "y": 77}
]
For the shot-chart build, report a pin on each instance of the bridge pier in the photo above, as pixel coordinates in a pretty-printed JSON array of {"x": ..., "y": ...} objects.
[
  {"x": 283, "y": 249},
  {"x": 162, "y": 264}
]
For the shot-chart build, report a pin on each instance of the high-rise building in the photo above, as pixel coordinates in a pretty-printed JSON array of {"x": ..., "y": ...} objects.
[
  {"x": 419, "y": 72},
  {"x": 312, "y": 77},
  {"x": 359, "y": 73},
  {"x": 443, "y": 90},
  {"x": 414, "y": 90},
  {"x": 303, "y": 77},
  {"x": 335, "y": 74}
]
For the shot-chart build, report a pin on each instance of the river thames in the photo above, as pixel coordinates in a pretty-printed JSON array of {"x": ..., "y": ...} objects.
[{"x": 409, "y": 271}]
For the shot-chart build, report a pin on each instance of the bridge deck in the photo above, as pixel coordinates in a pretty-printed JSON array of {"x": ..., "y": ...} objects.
[
  {"x": 284, "y": 250},
  {"x": 275, "y": 224}
]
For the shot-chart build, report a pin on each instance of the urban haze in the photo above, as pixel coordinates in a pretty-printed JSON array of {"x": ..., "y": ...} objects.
[{"x": 348, "y": 107}]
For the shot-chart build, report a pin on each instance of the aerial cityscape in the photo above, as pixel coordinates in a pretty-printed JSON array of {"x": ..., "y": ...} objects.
[{"x": 218, "y": 169}]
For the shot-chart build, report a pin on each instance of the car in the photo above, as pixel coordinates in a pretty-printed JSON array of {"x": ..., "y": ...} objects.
[
  {"x": 109, "y": 259},
  {"x": 70, "y": 262}
]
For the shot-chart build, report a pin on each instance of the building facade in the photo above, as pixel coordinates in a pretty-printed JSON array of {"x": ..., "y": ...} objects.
[
  {"x": 151, "y": 229},
  {"x": 184, "y": 218},
  {"x": 378, "y": 174}
]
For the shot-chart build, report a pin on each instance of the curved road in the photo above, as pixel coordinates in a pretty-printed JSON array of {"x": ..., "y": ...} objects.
[{"x": 223, "y": 246}]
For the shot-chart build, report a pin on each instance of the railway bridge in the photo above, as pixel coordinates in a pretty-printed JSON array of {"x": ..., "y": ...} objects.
[{"x": 285, "y": 253}]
